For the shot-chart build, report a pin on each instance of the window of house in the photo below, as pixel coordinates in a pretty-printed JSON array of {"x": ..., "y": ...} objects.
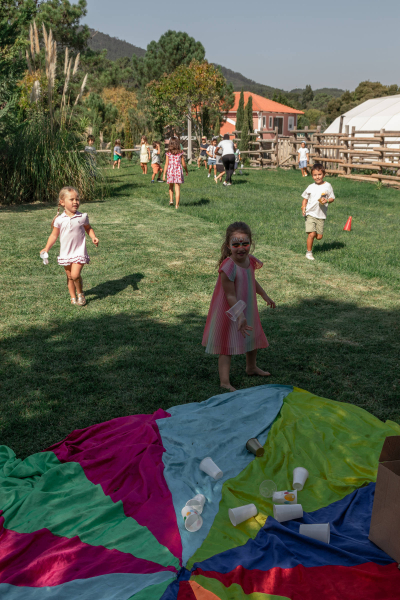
[
  {"x": 270, "y": 121},
  {"x": 291, "y": 123},
  {"x": 264, "y": 122}
]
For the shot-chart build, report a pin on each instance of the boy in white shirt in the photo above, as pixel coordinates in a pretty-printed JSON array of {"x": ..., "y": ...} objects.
[
  {"x": 212, "y": 159},
  {"x": 303, "y": 155},
  {"x": 315, "y": 206}
]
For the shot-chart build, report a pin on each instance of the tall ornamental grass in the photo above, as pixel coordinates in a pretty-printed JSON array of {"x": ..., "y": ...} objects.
[{"x": 39, "y": 161}]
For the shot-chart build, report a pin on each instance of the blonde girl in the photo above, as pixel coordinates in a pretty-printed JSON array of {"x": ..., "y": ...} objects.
[
  {"x": 144, "y": 154},
  {"x": 71, "y": 226},
  {"x": 117, "y": 153},
  {"x": 236, "y": 281},
  {"x": 173, "y": 168}
]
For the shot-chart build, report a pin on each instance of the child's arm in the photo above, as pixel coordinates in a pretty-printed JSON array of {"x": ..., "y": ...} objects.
[
  {"x": 91, "y": 234},
  {"x": 166, "y": 166},
  {"x": 52, "y": 240},
  {"x": 303, "y": 206},
  {"x": 184, "y": 164},
  {"x": 264, "y": 296},
  {"x": 229, "y": 288}
]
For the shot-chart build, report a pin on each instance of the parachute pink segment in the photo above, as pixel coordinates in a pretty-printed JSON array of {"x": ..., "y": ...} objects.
[
  {"x": 42, "y": 559},
  {"x": 124, "y": 456}
]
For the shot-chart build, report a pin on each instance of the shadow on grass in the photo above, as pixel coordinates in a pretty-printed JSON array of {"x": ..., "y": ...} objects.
[
  {"x": 114, "y": 286},
  {"x": 71, "y": 374},
  {"x": 201, "y": 202},
  {"x": 327, "y": 246}
]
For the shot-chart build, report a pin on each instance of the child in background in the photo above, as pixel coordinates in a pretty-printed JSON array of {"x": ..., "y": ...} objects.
[
  {"x": 212, "y": 161},
  {"x": 303, "y": 155},
  {"x": 173, "y": 168},
  {"x": 315, "y": 206},
  {"x": 237, "y": 158},
  {"x": 156, "y": 162},
  {"x": 71, "y": 226},
  {"x": 236, "y": 281},
  {"x": 203, "y": 152},
  {"x": 91, "y": 154},
  {"x": 219, "y": 166},
  {"x": 117, "y": 154},
  {"x": 144, "y": 154}
]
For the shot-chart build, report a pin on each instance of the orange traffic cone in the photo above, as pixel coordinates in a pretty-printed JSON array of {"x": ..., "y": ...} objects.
[{"x": 347, "y": 227}]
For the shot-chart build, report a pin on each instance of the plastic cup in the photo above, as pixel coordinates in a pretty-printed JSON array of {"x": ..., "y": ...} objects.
[
  {"x": 254, "y": 446},
  {"x": 287, "y": 512},
  {"x": 208, "y": 466},
  {"x": 318, "y": 531},
  {"x": 285, "y": 497},
  {"x": 191, "y": 518},
  {"x": 267, "y": 488},
  {"x": 242, "y": 513},
  {"x": 45, "y": 258},
  {"x": 236, "y": 310},
  {"x": 300, "y": 475},
  {"x": 197, "y": 503}
]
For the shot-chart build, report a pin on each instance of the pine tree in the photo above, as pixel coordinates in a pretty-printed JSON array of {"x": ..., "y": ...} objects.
[
  {"x": 240, "y": 112},
  {"x": 128, "y": 137},
  {"x": 249, "y": 114}
]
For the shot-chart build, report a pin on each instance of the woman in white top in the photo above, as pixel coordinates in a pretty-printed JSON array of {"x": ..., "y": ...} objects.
[
  {"x": 303, "y": 154},
  {"x": 228, "y": 157}
]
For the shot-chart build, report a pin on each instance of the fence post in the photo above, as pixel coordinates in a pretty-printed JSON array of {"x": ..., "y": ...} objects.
[
  {"x": 346, "y": 154},
  {"x": 276, "y": 147}
]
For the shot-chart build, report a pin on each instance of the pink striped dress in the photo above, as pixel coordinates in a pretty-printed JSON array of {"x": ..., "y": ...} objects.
[{"x": 220, "y": 334}]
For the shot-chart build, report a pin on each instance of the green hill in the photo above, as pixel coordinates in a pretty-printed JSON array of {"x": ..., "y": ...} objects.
[{"x": 117, "y": 48}]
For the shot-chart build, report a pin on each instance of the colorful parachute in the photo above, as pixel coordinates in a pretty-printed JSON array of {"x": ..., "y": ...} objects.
[{"x": 98, "y": 516}]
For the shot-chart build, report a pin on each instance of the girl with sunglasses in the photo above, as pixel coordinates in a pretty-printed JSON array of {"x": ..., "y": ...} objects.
[{"x": 236, "y": 281}]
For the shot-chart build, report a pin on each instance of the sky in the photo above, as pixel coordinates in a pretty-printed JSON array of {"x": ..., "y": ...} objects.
[{"x": 285, "y": 44}]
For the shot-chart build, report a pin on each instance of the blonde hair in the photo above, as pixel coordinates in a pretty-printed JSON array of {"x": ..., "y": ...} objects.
[{"x": 63, "y": 192}]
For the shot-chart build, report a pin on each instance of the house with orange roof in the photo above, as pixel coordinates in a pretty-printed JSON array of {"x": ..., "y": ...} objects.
[{"x": 267, "y": 114}]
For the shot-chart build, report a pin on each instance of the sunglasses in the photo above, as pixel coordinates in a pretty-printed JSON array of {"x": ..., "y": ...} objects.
[{"x": 238, "y": 244}]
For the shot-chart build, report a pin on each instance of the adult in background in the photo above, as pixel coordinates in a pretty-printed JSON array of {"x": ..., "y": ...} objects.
[
  {"x": 303, "y": 154},
  {"x": 228, "y": 157}
]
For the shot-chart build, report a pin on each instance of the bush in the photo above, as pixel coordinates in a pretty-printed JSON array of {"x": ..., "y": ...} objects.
[{"x": 37, "y": 162}]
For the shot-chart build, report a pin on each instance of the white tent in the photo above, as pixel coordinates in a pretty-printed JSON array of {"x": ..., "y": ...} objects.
[{"x": 372, "y": 115}]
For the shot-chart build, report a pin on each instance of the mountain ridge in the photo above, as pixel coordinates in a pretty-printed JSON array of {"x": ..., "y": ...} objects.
[{"x": 117, "y": 48}]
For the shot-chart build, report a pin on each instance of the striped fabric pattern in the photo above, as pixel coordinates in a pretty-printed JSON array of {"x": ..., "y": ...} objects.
[{"x": 220, "y": 334}]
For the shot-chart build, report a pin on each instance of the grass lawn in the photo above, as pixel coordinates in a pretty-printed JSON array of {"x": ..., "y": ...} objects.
[{"x": 136, "y": 346}]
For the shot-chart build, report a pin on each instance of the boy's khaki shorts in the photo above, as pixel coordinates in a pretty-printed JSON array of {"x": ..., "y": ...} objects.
[{"x": 314, "y": 224}]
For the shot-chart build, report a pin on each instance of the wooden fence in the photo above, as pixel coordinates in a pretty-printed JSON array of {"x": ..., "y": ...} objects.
[
  {"x": 359, "y": 155},
  {"x": 264, "y": 154}
]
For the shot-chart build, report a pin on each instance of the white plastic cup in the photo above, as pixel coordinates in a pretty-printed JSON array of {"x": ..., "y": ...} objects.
[
  {"x": 317, "y": 531},
  {"x": 287, "y": 512},
  {"x": 267, "y": 488},
  {"x": 236, "y": 310},
  {"x": 300, "y": 475},
  {"x": 191, "y": 518},
  {"x": 285, "y": 497},
  {"x": 197, "y": 503},
  {"x": 208, "y": 466},
  {"x": 45, "y": 258},
  {"x": 242, "y": 513}
]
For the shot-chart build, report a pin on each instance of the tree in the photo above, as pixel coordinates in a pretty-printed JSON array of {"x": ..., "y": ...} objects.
[
  {"x": 186, "y": 93},
  {"x": 173, "y": 49},
  {"x": 308, "y": 96},
  {"x": 248, "y": 115},
  {"x": 244, "y": 138},
  {"x": 217, "y": 128},
  {"x": 128, "y": 141},
  {"x": 240, "y": 113},
  {"x": 64, "y": 19}
]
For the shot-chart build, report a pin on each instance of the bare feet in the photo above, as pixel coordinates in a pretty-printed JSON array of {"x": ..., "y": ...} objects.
[
  {"x": 228, "y": 387},
  {"x": 257, "y": 371}
]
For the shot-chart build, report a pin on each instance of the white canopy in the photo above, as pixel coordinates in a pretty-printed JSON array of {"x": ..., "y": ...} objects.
[{"x": 372, "y": 115}]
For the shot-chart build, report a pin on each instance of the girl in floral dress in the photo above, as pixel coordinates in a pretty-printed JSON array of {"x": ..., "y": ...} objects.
[
  {"x": 236, "y": 281},
  {"x": 173, "y": 168}
]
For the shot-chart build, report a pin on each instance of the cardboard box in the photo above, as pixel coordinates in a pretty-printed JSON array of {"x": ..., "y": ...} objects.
[{"x": 385, "y": 520}]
